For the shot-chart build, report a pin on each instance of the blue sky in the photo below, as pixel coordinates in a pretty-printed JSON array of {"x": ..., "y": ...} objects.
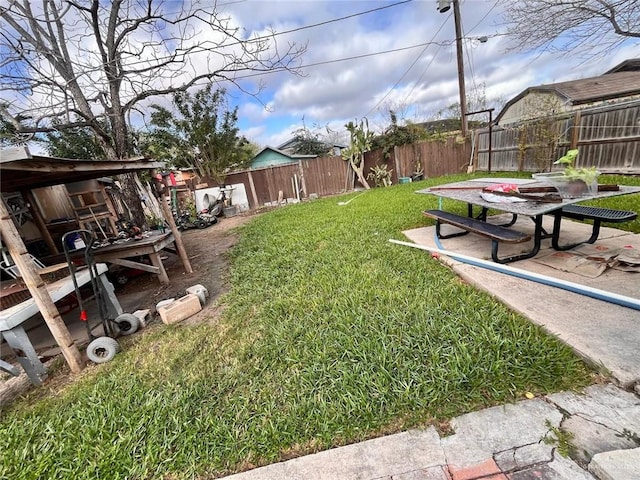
[
  {"x": 417, "y": 77},
  {"x": 417, "y": 82}
]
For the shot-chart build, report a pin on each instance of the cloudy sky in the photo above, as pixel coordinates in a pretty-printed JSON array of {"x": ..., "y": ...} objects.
[
  {"x": 363, "y": 58},
  {"x": 417, "y": 76}
]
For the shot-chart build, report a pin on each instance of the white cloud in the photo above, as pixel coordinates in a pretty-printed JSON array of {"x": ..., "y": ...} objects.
[{"x": 420, "y": 80}]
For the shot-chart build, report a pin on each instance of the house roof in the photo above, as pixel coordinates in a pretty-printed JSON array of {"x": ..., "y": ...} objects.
[
  {"x": 290, "y": 155},
  {"x": 618, "y": 84},
  {"x": 594, "y": 89},
  {"x": 629, "y": 65},
  {"x": 21, "y": 170}
]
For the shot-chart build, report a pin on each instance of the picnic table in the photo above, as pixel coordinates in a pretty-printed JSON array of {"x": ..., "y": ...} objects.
[{"x": 533, "y": 205}]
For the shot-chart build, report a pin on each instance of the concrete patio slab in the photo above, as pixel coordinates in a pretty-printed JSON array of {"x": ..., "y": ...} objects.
[{"x": 605, "y": 334}]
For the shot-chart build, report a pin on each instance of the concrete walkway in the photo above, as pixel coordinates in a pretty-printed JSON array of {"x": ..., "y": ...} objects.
[
  {"x": 599, "y": 428},
  {"x": 513, "y": 441}
]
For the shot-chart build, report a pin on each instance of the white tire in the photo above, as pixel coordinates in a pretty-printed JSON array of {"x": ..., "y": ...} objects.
[
  {"x": 127, "y": 323},
  {"x": 102, "y": 349}
]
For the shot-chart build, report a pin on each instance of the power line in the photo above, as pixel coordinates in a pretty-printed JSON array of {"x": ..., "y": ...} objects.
[
  {"x": 333, "y": 20},
  {"x": 274, "y": 34},
  {"x": 410, "y": 67},
  {"x": 354, "y": 57},
  {"x": 485, "y": 16},
  {"x": 467, "y": 49}
]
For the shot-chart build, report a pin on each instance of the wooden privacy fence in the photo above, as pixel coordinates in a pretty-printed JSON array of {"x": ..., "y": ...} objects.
[
  {"x": 608, "y": 138},
  {"x": 324, "y": 176}
]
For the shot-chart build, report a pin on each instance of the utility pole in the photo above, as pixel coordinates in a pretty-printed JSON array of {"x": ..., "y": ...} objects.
[
  {"x": 463, "y": 93},
  {"x": 443, "y": 6}
]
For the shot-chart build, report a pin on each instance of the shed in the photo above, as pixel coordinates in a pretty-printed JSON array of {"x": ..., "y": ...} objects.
[{"x": 22, "y": 172}]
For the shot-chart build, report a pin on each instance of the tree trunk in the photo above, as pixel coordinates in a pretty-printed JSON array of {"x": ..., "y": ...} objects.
[
  {"x": 132, "y": 198},
  {"x": 128, "y": 180},
  {"x": 359, "y": 169}
]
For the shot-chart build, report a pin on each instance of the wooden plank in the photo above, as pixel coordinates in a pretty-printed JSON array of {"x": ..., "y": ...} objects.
[
  {"x": 162, "y": 273},
  {"x": 252, "y": 187},
  {"x": 135, "y": 265},
  {"x": 177, "y": 238},
  {"x": 40, "y": 221},
  {"x": 53, "y": 268},
  {"x": 601, "y": 188},
  {"x": 12, "y": 154}
]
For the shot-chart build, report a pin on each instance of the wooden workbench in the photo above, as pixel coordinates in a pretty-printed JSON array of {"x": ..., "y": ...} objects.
[{"x": 123, "y": 251}]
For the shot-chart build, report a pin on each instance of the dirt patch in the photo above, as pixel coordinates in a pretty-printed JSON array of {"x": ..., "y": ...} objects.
[{"x": 206, "y": 250}]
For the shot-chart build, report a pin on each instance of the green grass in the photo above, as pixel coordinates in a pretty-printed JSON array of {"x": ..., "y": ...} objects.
[{"x": 331, "y": 335}]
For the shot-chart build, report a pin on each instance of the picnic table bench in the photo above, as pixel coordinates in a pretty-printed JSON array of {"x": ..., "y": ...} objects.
[
  {"x": 471, "y": 192},
  {"x": 581, "y": 213},
  {"x": 496, "y": 233},
  {"x": 13, "y": 318}
]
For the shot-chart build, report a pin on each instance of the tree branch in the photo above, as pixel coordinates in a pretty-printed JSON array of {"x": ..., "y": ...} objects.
[
  {"x": 91, "y": 59},
  {"x": 588, "y": 27}
]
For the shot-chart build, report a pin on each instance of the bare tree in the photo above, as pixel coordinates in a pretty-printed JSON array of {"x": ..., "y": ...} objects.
[
  {"x": 96, "y": 64},
  {"x": 592, "y": 27}
]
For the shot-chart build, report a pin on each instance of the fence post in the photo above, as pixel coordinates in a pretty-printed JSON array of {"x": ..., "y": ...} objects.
[
  {"x": 396, "y": 164},
  {"x": 253, "y": 189},
  {"x": 302, "y": 181},
  {"x": 575, "y": 131}
]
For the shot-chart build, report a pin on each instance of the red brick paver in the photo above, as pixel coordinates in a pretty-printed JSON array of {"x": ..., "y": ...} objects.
[{"x": 487, "y": 470}]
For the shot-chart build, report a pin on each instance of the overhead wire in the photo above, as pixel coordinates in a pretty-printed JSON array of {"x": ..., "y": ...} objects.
[
  {"x": 469, "y": 57},
  {"x": 408, "y": 69},
  {"x": 297, "y": 29},
  {"x": 276, "y": 34},
  {"x": 468, "y": 49},
  {"x": 353, "y": 57}
]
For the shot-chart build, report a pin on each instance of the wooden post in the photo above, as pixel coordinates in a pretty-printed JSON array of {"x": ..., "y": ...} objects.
[
  {"x": 575, "y": 131},
  {"x": 182, "y": 252},
  {"x": 253, "y": 189},
  {"x": 396, "y": 164},
  {"x": 161, "y": 188},
  {"x": 38, "y": 291},
  {"x": 303, "y": 183}
]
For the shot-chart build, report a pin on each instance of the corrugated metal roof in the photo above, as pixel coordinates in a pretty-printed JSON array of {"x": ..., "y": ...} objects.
[{"x": 21, "y": 170}]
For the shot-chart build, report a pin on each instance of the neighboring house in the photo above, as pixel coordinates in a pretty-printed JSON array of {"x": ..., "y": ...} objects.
[
  {"x": 269, "y": 157},
  {"x": 620, "y": 84}
]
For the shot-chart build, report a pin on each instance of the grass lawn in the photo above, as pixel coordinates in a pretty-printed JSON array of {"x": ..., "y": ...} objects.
[{"x": 331, "y": 335}]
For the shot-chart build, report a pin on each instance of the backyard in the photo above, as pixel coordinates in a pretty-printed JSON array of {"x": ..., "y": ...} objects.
[{"x": 329, "y": 335}]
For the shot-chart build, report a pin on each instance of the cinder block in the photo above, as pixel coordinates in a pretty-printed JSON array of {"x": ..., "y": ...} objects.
[
  {"x": 180, "y": 309},
  {"x": 164, "y": 303},
  {"x": 142, "y": 316},
  {"x": 201, "y": 291}
]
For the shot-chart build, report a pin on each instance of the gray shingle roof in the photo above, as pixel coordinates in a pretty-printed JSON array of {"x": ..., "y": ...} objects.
[{"x": 593, "y": 89}]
